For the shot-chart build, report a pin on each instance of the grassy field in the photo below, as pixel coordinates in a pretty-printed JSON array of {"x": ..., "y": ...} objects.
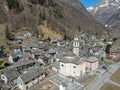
[
  {"x": 49, "y": 33},
  {"x": 108, "y": 86},
  {"x": 51, "y": 73},
  {"x": 89, "y": 79},
  {"x": 46, "y": 86},
  {"x": 116, "y": 77},
  {"x": 3, "y": 40},
  {"x": 2, "y": 35},
  {"x": 109, "y": 62}
]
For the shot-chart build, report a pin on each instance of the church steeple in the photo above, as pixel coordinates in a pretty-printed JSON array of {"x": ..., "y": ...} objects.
[{"x": 76, "y": 45}]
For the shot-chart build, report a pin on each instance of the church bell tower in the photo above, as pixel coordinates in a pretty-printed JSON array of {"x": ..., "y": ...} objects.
[{"x": 76, "y": 45}]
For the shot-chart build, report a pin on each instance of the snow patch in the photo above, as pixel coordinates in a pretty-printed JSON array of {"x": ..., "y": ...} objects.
[
  {"x": 90, "y": 8},
  {"x": 104, "y": 5}
]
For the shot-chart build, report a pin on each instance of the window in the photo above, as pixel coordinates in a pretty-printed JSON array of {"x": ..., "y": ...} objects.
[
  {"x": 3, "y": 77},
  {"x": 54, "y": 60},
  {"x": 42, "y": 74},
  {"x": 33, "y": 83},
  {"x": 26, "y": 87},
  {"x": 74, "y": 66}
]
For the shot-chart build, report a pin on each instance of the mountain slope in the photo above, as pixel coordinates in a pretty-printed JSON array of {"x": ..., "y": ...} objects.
[
  {"x": 107, "y": 12},
  {"x": 66, "y": 17}
]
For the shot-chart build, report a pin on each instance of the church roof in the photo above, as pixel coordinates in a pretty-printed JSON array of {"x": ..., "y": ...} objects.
[{"x": 70, "y": 59}]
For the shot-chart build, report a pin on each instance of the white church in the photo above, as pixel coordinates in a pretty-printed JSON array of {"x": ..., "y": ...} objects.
[{"x": 74, "y": 65}]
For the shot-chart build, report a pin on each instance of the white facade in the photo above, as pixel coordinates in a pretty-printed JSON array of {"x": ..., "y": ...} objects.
[
  {"x": 61, "y": 87},
  {"x": 4, "y": 78},
  {"x": 70, "y": 69},
  {"x": 10, "y": 59},
  {"x": 30, "y": 84}
]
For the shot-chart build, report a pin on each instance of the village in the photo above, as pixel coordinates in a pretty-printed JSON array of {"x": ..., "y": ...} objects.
[{"x": 57, "y": 64}]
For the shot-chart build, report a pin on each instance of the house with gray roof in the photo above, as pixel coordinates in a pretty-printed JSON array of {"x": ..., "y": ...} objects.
[
  {"x": 30, "y": 78},
  {"x": 92, "y": 59},
  {"x": 11, "y": 74},
  {"x": 92, "y": 63},
  {"x": 115, "y": 49},
  {"x": 14, "y": 57},
  {"x": 114, "y": 52}
]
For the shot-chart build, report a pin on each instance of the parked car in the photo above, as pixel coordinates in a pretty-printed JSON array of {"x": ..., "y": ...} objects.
[{"x": 104, "y": 67}]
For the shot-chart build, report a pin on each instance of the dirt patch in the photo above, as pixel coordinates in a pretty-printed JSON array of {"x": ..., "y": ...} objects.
[
  {"x": 89, "y": 79},
  {"x": 116, "y": 76},
  {"x": 108, "y": 86},
  {"x": 47, "y": 86},
  {"x": 49, "y": 33}
]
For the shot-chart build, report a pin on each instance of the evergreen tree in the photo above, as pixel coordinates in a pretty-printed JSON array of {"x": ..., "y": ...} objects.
[
  {"x": 107, "y": 50},
  {"x": 48, "y": 39},
  {"x": 9, "y": 35},
  {"x": 79, "y": 28},
  {"x": 65, "y": 37}
]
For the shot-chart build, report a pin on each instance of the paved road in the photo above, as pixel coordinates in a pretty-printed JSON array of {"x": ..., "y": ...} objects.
[
  {"x": 58, "y": 79},
  {"x": 97, "y": 83}
]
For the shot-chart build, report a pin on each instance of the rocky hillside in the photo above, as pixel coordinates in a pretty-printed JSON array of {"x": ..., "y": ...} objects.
[
  {"x": 107, "y": 12},
  {"x": 66, "y": 17}
]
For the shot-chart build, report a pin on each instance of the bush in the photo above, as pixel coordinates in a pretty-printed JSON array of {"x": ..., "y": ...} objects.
[
  {"x": 114, "y": 39},
  {"x": 107, "y": 50},
  {"x": 13, "y": 4},
  {"x": 9, "y": 35}
]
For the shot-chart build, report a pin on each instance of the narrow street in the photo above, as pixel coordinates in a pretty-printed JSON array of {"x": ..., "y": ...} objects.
[{"x": 97, "y": 83}]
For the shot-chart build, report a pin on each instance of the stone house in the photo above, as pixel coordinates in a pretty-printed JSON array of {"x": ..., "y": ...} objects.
[
  {"x": 14, "y": 58},
  {"x": 92, "y": 63},
  {"x": 30, "y": 78},
  {"x": 114, "y": 52},
  {"x": 11, "y": 74}
]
